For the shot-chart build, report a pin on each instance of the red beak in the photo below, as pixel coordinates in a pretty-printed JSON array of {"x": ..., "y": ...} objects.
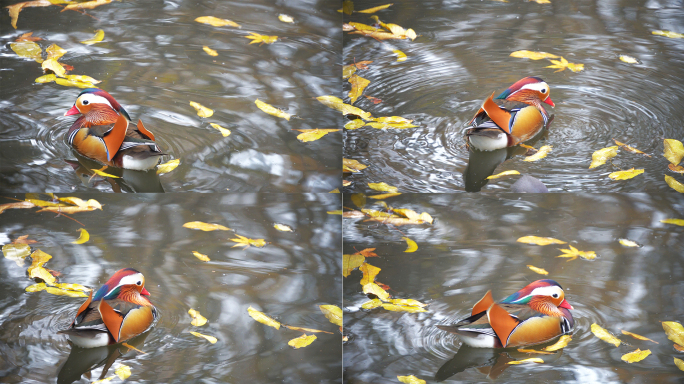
[
  {"x": 549, "y": 102},
  {"x": 565, "y": 304},
  {"x": 72, "y": 111},
  {"x": 145, "y": 292}
]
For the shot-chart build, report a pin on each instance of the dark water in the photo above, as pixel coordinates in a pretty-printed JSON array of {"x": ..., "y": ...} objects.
[
  {"x": 462, "y": 55},
  {"x": 288, "y": 279},
  {"x": 152, "y": 62},
  {"x": 471, "y": 247}
]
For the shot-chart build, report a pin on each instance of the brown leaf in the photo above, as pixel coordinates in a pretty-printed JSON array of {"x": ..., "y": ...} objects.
[
  {"x": 27, "y": 37},
  {"x": 17, "y": 205},
  {"x": 14, "y": 9},
  {"x": 24, "y": 240}
]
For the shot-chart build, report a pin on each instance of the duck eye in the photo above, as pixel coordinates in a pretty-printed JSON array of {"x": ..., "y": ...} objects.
[
  {"x": 543, "y": 91},
  {"x": 86, "y": 102},
  {"x": 555, "y": 295},
  {"x": 139, "y": 283}
]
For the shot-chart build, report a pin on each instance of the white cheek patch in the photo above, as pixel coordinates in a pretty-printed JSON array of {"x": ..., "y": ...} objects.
[
  {"x": 547, "y": 291},
  {"x": 132, "y": 279},
  {"x": 95, "y": 99},
  {"x": 537, "y": 87}
]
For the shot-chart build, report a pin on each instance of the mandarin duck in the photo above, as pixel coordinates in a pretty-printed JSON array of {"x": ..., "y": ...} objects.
[
  {"x": 533, "y": 315},
  {"x": 103, "y": 133},
  {"x": 513, "y": 117},
  {"x": 119, "y": 311}
]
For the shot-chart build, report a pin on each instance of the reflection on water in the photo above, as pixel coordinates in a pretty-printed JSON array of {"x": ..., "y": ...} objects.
[
  {"x": 471, "y": 248},
  {"x": 152, "y": 62},
  {"x": 287, "y": 279},
  {"x": 462, "y": 55}
]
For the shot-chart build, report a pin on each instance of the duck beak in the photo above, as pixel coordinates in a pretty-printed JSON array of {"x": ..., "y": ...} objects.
[
  {"x": 566, "y": 305},
  {"x": 145, "y": 292},
  {"x": 549, "y": 102},
  {"x": 72, "y": 111}
]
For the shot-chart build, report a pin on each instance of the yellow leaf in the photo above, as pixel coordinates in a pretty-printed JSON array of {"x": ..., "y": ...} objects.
[
  {"x": 504, "y": 173},
  {"x": 410, "y": 380},
  {"x": 541, "y": 1},
  {"x": 628, "y": 243},
  {"x": 282, "y": 227},
  {"x": 626, "y": 175},
  {"x": 337, "y": 212},
  {"x": 369, "y": 273},
  {"x": 105, "y": 380},
  {"x": 561, "y": 64},
  {"x": 674, "y": 331},
  {"x": 376, "y": 290},
  {"x": 54, "y": 66},
  {"x": 679, "y": 363},
  {"x": 412, "y": 246},
  {"x": 205, "y": 226},
  {"x": 401, "y": 56},
  {"x": 104, "y": 174},
  {"x": 348, "y": 71},
  {"x": 168, "y": 166},
  {"x": 201, "y": 256},
  {"x": 347, "y": 7},
  {"x": 43, "y": 274},
  {"x": 124, "y": 372},
  {"x": 211, "y": 339},
  {"x": 85, "y": 236},
  {"x": 216, "y": 22},
  {"x": 560, "y": 344},
  {"x": 336, "y": 190},
  {"x": 639, "y": 337},
  {"x": 674, "y": 184},
  {"x": 375, "y": 9},
  {"x": 679, "y": 222},
  {"x": 70, "y": 82},
  {"x": 402, "y": 308},
  {"x": 202, "y": 111},
  {"x": 573, "y": 253},
  {"x": 676, "y": 168},
  {"x": 533, "y": 55},
  {"x": 46, "y": 78},
  {"x": 371, "y": 304},
  {"x": 635, "y": 356},
  {"x": 72, "y": 287},
  {"x": 540, "y": 271},
  {"x": 301, "y": 341},
  {"x": 224, "y": 131},
  {"x": 54, "y": 51},
  {"x": 575, "y": 67},
  {"x": 539, "y": 240},
  {"x": 82, "y": 79},
  {"x": 543, "y": 151},
  {"x": 262, "y": 318},
  {"x": 674, "y": 151},
  {"x": 672, "y": 35},
  {"x": 628, "y": 59},
  {"x": 522, "y": 350},
  {"x": 346, "y": 109},
  {"x": 313, "y": 134},
  {"x": 383, "y": 187},
  {"x": 383, "y": 196},
  {"x": 16, "y": 252},
  {"x": 604, "y": 335},
  {"x": 358, "y": 84},
  {"x": 390, "y": 125},
  {"x": 197, "y": 319},
  {"x": 261, "y": 39},
  {"x": 302, "y": 329},
  {"x": 271, "y": 110},
  {"x": 209, "y": 51},
  {"x": 86, "y": 5},
  {"x": 246, "y": 242},
  {"x": 351, "y": 262},
  {"x": 99, "y": 36},
  {"x": 524, "y": 361},
  {"x": 285, "y": 18},
  {"x": 359, "y": 199},
  {"x": 408, "y": 303},
  {"x": 350, "y": 165},
  {"x": 629, "y": 149},
  {"x": 16, "y": 8},
  {"x": 602, "y": 155},
  {"x": 333, "y": 313}
]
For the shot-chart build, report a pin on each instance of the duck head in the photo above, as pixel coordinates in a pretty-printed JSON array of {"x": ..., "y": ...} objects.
[
  {"x": 126, "y": 284},
  {"x": 545, "y": 296},
  {"x": 528, "y": 90},
  {"x": 98, "y": 103}
]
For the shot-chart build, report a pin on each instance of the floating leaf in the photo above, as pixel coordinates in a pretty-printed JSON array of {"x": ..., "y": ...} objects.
[
  {"x": 347, "y": 7},
  {"x": 197, "y": 319},
  {"x": 124, "y": 372},
  {"x": 54, "y": 66},
  {"x": 99, "y": 36},
  {"x": 639, "y": 337},
  {"x": 674, "y": 184},
  {"x": 383, "y": 196},
  {"x": 602, "y": 155},
  {"x": 16, "y": 252},
  {"x": 358, "y": 84},
  {"x": 543, "y": 151},
  {"x": 502, "y": 174},
  {"x": 54, "y": 51},
  {"x": 209, "y": 51},
  {"x": 674, "y": 151},
  {"x": 628, "y": 243},
  {"x": 346, "y": 109},
  {"x": 522, "y": 350},
  {"x": 635, "y": 356},
  {"x": 676, "y": 168},
  {"x": 205, "y": 226},
  {"x": 86, "y": 5},
  {"x": 211, "y": 339},
  {"x": 348, "y": 71},
  {"x": 392, "y": 122},
  {"x": 672, "y": 35},
  {"x": 674, "y": 331},
  {"x": 604, "y": 335},
  {"x": 28, "y": 204},
  {"x": 261, "y": 39},
  {"x": 82, "y": 78},
  {"x": 271, "y": 110},
  {"x": 70, "y": 82},
  {"x": 560, "y": 344},
  {"x": 372, "y": 304},
  {"x": 628, "y": 59},
  {"x": 533, "y": 55},
  {"x": 28, "y": 49},
  {"x": 412, "y": 246},
  {"x": 168, "y": 166},
  {"x": 375, "y": 9},
  {"x": 351, "y": 262},
  {"x": 14, "y": 9},
  {"x": 302, "y": 329},
  {"x": 679, "y": 363},
  {"x": 679, "y": 222},
  {"x": 333, "y": 313},
  {"x": 369, "y": 273},
  {"x": 410, "y": 380},
  {"x": 282, "y": 227},
  {"x": 359, "y": 199},
  {"x": 42, "y": 274},
  {"x": 57, "y": 290},
  {"x": 202, "y": 111},
  {"x": 301, "y": 341},
  {"x": 540, "y": 271},
  {"x": 285, "y": 18},
  {"x": 104, "y": 174},
  {"x": 573, "y": 253},
  {"x": 383, "y": 187},
  {"x": 350, "y": 165},
  {"x": 246, "y": 242},
  {"x": 372, "y": 99},
  {"x": 262, "y": 318},
  {"x": 562, "y": 64},
  {"x": 27, "y": 36},
  {"x": 629, "y": 149},
  {"x": 85, "y": 236},
  {"x": 313, "y": 134},
  {"x": 525, "y": 361},
  {"x": 224, "y": 131},
  {"x": 201, "y": 256},
  {"x": 376, "y": 290},
  {"x": 539, "y": 240},
  {"x": 216, "y": 22},
  {"x": 46, "y": 78},
  {"x": 626, "y": 175},
  {"x": 401, "y": 56},
  {"x": 105, "y": 380}
]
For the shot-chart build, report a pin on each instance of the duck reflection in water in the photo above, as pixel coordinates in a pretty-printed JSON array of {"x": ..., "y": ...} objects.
[{"x": 126, "y": 180}]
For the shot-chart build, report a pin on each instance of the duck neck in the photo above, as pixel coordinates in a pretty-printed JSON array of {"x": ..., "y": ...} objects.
[
  {"x": 544, "y": 306},
  {"x": 133, "y": 296},
  {"x": 100, "y": 115}
]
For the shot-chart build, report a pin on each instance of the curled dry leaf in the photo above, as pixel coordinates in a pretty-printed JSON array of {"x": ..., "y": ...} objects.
[
  {"x": 573, "y": 253},
  {"x": 543, "y": 151},
  {"x": 301, "y": 341},
  {"x": 69, "y": 81},
  {"x": 602, "y": 155},
  {"x": 383, "y": 196},
  {"x": 376, "y": 290},
  {"x": 333, "y": 313},
  {"x": 224, "y": 131},
  {"x": 302, "y": 329},
  {"x": 261, "y": 39},
  {"x": 676, "y": 168},
  {"x": 372, "y": 304},
  {"x": 639, "y": 337},
  {"x": 674, "y": 184},
  {"x": 197, "y": 319},
  {"x": 201, "y": 256},
  {"x": 560, "y": 344},
  {"x": 540, "y": 271},
  {"x": 27, "y": 36},
  {"x": 271, "y": 110},
  {"x": 54, "y": 51},
  {"x": 629, "y": 149},
  {"x": 673, "y": 151},
  {"x": 525, "y": 361},
  {"x": 533, "y": 55},
  {"x": 626, "y": 175},
  {"x": 502, "y": 174},
  {"x": 412, "y": 246},
  {"x": 539, "y": 240},
  {"x": 262, "y": 318},
  {"x": 209, "y": 51},
  {"x": 313, "y": 134},
  {"x": 604, "y": 335},
  {"x": 349, "y": 165},
  {"x": 674, "y": 331},
  {"x": 635, "y": 356},
  {"x": 216, "y": 22},
  {"x": 402, "y": 308},
  {"x": 99, "y": 36},
  {"x": 383, "y": 187},
  {"x": 85, "y": 236},
  {"x": 410, "y": 380},
  {"x": 401, "y": 56},
  {"x": 202, "y": 111},
  {"x": 168, "y": 166},
  {"x": 28, "y": 204},
  {"x": 86, "y": 5},
  {"x": 211, "y": 339},
  {"x": 205, "y": 226}
]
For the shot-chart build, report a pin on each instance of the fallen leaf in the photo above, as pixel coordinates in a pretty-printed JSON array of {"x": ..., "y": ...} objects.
[
  {"x": 333, "y": 313},
  {"x": 562, "y": 64},
  {"x": 42, "y": 274},
  {"x": 99, "y": 36},
  {"x": 401, "y": 56},
  {"x": 525, "y": 361},
  {"x": 533, "y": 55},
  {"x": 271, "y": 110},
  {"x": 358, "y": 84},
  {"x": 679, "y": 222},
  {"x": 502, "y": 174},
  {"x": 85, "y": 236},
  {"x": 55, "y": 290},
  {"x": 54, "y": 51},
  {"x": 383, "y": 196},
  {"x": 313, "y": 134},
  {"x": 86, "y": 5},
  {"x": 674, "y": 331},
  {"x": 540, "y": 271},
  {"x": 346, "y": 109},
  {"x": 412, "y": 246},
  {"x": 70, "y": 82},
  {"x": 672, "y": 35},
  {"x": 16, "y": 252},
  {"x": 262, "y": 318},
  {"x": 14, "y": 9},
  {"x": 302, "y": 329},
  {"x": 197, "y": 319},
  {"x": 639, "y": 337},
  {"x": 201, "y": 256},
  {"x": 347, "y": 7},
  {"x": 202, "y": 111},
  {"x": 629, "y": 149},
  {"x": 246, "y": 242},
  {"x": 216, "y": 22},
  {"x": 604, "y": 335},
  {"x": 674, "y": 184},
  {"x": 282, "y": 227},
  {"x": 205, "y": 226},
  {"x": 626, "y": 175},
  {"x": 54, "y": 66},
  {"x": 539, "y": 240},
  {"x": 543, "y": 151},
  {"x": 124, "y": 372},
  {"x": 301, "y": 341},
  {"x": 628, "y": 243},
  {"x": 261, "y": 39},
  {"x": 337, "y": 212},
  {"x": 168, "y": 166},
  {"x": 28, "y": 204},
  {"x": 348, "y": 165},
  {"x": 676, "y": 168},
  {"x": 372, "y": 99},
  {"x": 29, "y": 50},
  {"x": 628, "y": 59},
  {"x": 82, "y": 78},
  {"x": 104, "y": 174},
  {"x": 522, "y": 350},
  {"x": 372, "y": 304},
  {"x": 285, "y": 18},
  {"x": 211, "y": 339},
  {"x": 376, "y": 290},
  {"x": 375, "y": 9},
  {"x": 50, "y": 78},
  {"x": 348, "y": 71},
  {"x": 369, "y": 273},
  {"x": 391, "y": 122},
  {"x": 27, "y": 36},
  {"x": 560, "y": 344},
  {"x": 573, "y": 253},
  {"x": 25, "y": 240},
  {"x": 673, "y": 151},
  {"x": 679, "y": 363},
  {"x": 408, "y": 303},
  {"x": 602, "y": 155},
  {"x": 410, "y": 380},
  {"x": 383, "y": 187},
  {"x": 209, "y": 51},
  {"x": 635, "y": 356},
  {"x": 224, "y": 131}
]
